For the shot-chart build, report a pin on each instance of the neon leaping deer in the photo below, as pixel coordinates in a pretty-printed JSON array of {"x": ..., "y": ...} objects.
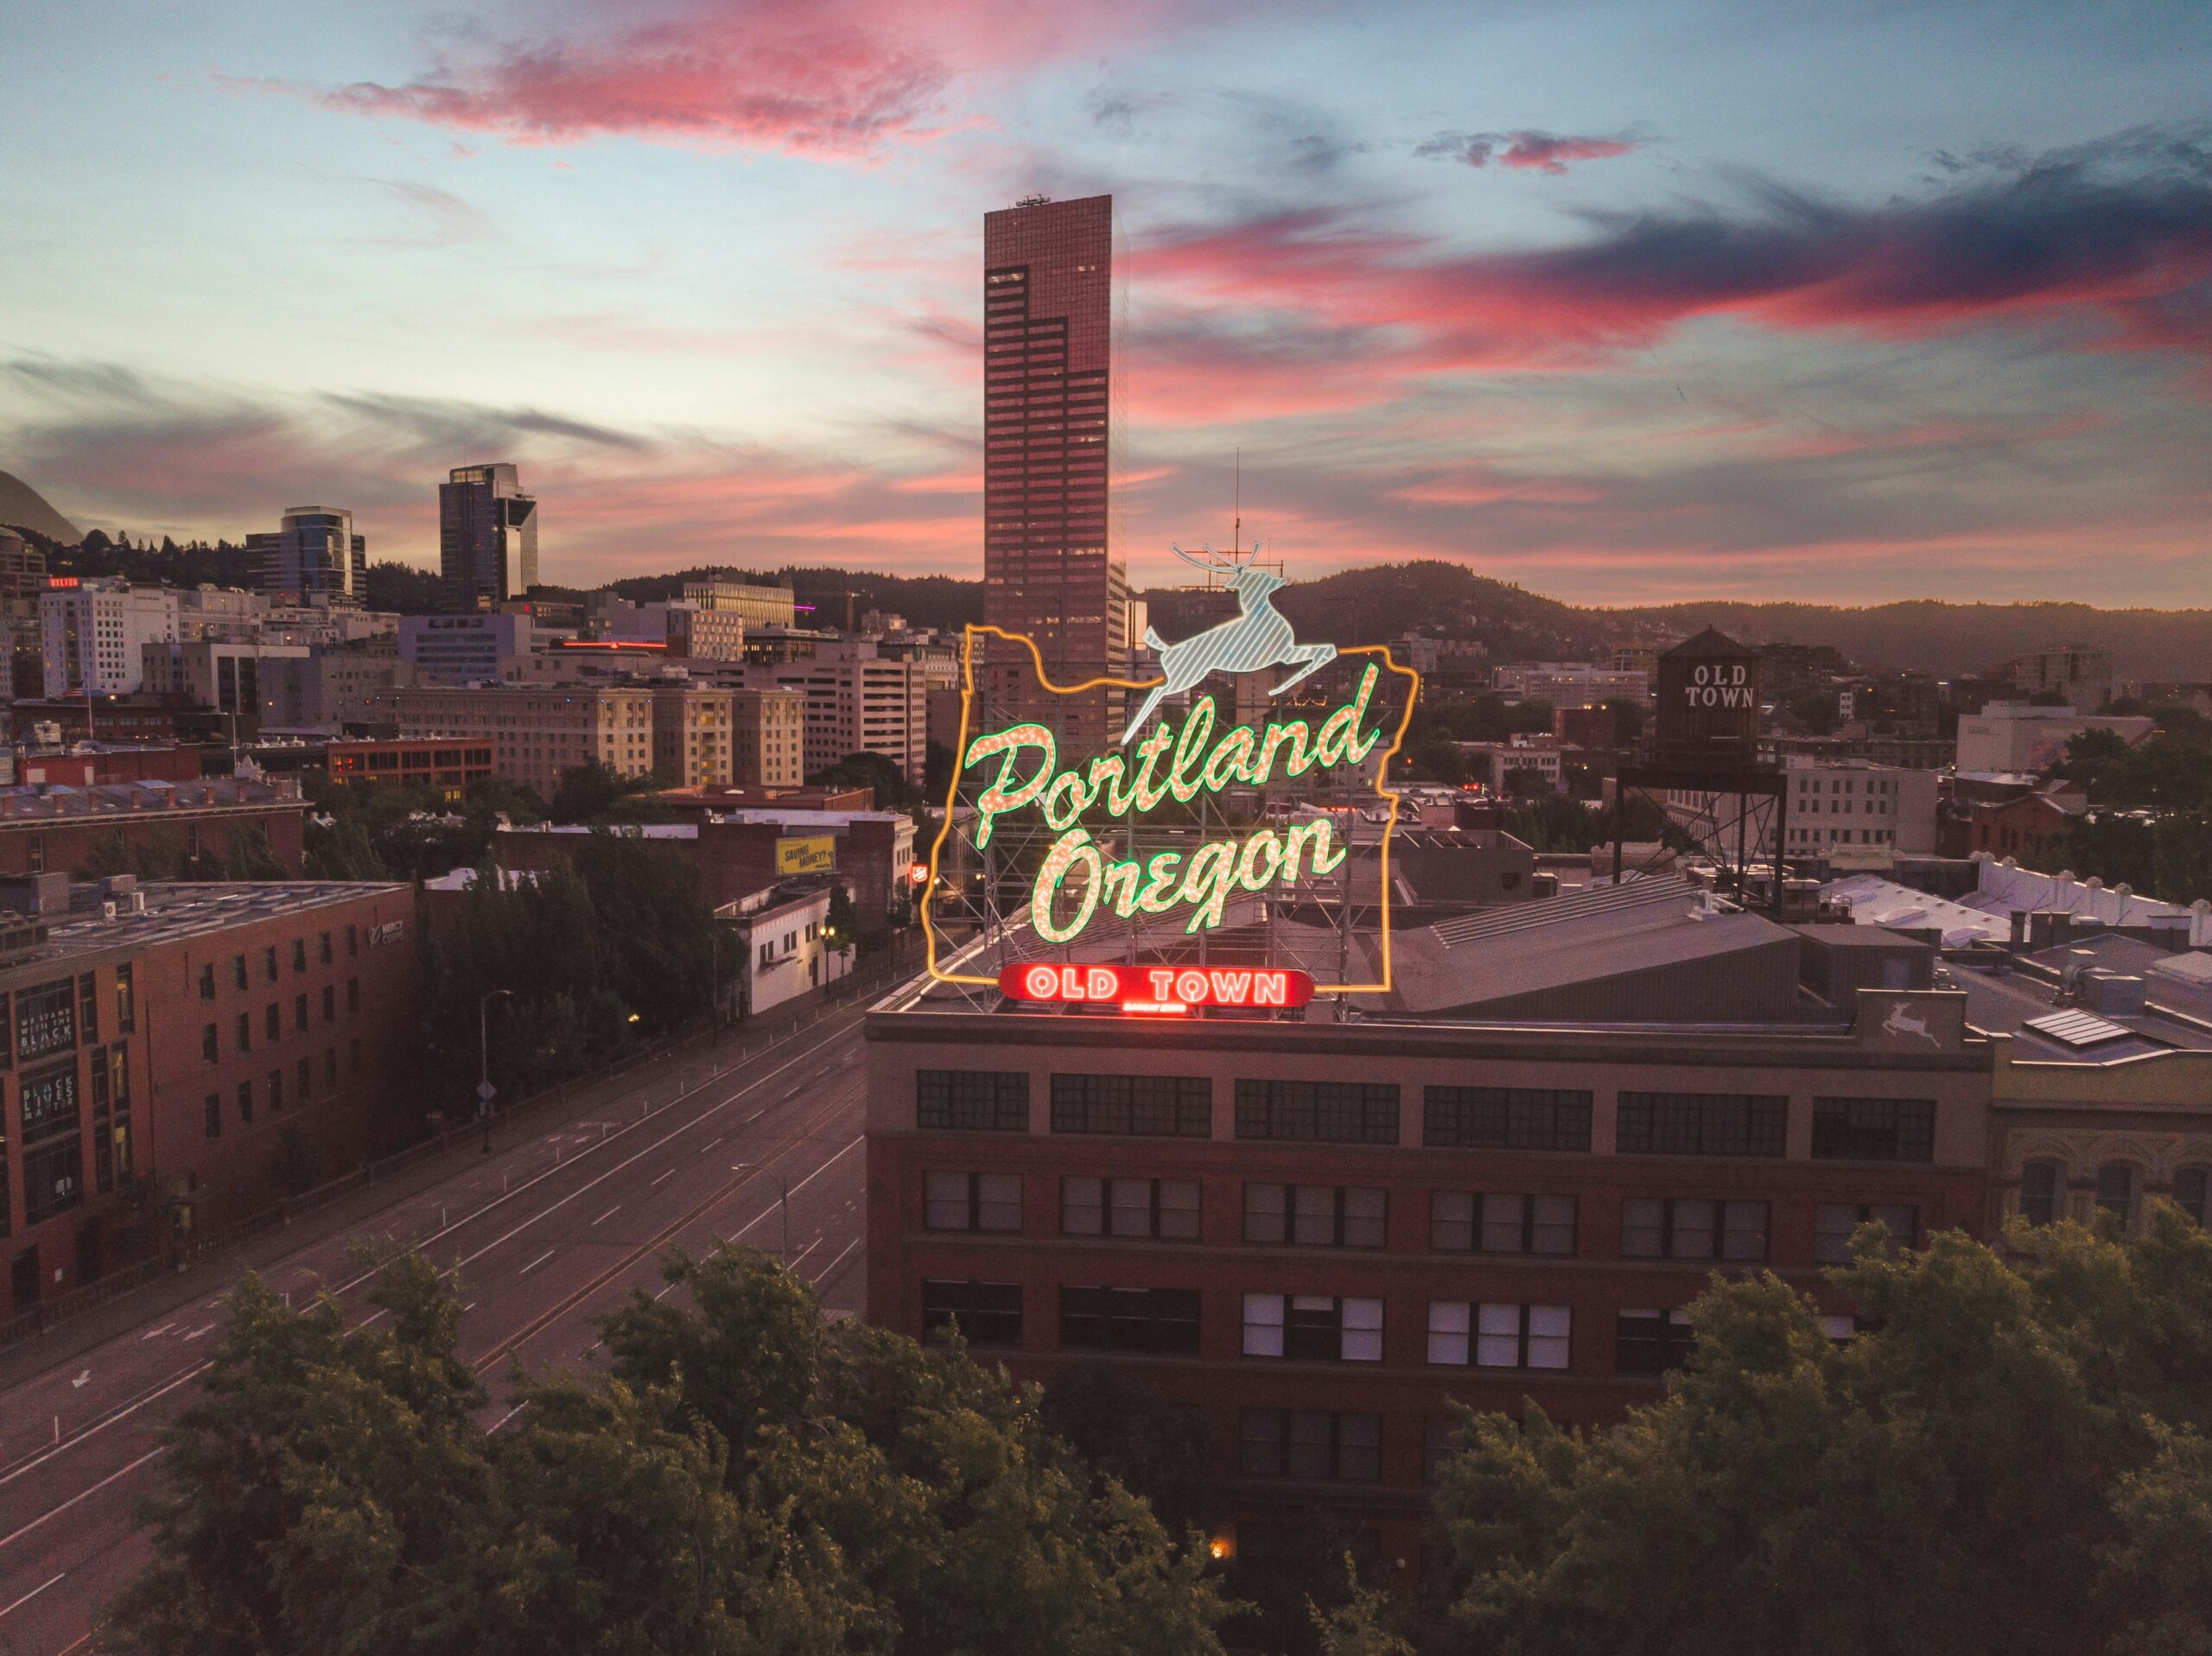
[{"x": 1259, "y": 637}]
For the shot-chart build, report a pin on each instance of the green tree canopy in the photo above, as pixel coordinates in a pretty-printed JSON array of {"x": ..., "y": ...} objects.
[{"x": 750, "y": 1479}]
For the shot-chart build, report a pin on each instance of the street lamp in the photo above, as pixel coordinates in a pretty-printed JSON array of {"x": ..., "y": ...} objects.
[
  {"x": 783, "y": 1197},
  {"x": 485, "y": 1091}
]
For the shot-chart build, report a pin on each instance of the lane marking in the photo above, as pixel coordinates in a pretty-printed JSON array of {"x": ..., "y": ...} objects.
[
  {"x": 197, "y": 1332},
  {"x": 750, "y": 1120},
  {"x": 78, "y": 1384},
  {"x": 795, "y": 1189},
  {"x": 82, "y": 1495},
  {"x": 804, "y": 1252},
  {"x": 661, "y": 1178},
  {"x": 155, "y": 1333},
  {"x": 33, "y": 1593},
  {"x": 608, "y": 1215},
  {"x": 534, "y": 1263},
  {"x": 830, "y": 1269}
]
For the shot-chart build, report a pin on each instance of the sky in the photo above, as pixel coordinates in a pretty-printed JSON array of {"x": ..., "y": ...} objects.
[{"x": 1625, "y": 302}]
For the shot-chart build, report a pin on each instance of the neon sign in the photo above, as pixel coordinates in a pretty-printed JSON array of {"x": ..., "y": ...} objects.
[
  {"x": 1156, "y": 988},
  {"x": 1201, "y": 762},
  {"x": 1074, "y": 822}
]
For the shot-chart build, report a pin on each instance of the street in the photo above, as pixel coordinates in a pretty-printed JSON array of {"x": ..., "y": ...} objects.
[{"x": 550, "y": 1231}]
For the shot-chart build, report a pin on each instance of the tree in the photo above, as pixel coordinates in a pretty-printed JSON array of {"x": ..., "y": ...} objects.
[
  {"x": 842, "y": 923},
  {"x": 2002, "y": 1461},
  {"x": 869, "y": 770},
  {"x": 751, "y": 1478},
  {"x": 591, "y": 793}
]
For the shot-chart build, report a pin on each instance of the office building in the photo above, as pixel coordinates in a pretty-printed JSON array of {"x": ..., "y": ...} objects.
[
  {"x": 1318, "y": 1235},
  {"x": 22, "y": 585},
  {"x": 856, "y": 702},
  {"x": 693, "y": 738},
  {"x": 325, "y": 691},
  {"x": 492, "y": 649},
  {"x": 223, "y": 677},
  {"x": 768, "y": 738},
  {"x": 448, "y": 763},
  {"x": 755, "y": 604},
  {"x": 535, "y": 732},
  {"x": 1050, "y": 571},
  {"x": 1571, "y": 683},
  {"x": 96, "y": 632},
  {"x": 2083, "y": 676},
  {"x": 488, "y": 537},
  {"x": 315, "y": 559},
  {"x": 168, "y": 1041}
]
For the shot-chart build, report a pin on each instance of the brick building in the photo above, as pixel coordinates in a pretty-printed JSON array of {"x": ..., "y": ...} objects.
[
  {"x": 536, "y": 732},
  {"x": 448, "y": 764},
  {"x": 1314, "y": 1233},
  {"x": 693, "y": 733},
  {"x": 48, "y": 830},
  {"x": 157, "y": 1058}
]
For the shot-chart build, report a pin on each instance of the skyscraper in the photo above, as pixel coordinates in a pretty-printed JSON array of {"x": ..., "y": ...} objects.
[
  {"x": 488, "y": 537},
  {"x": 314, "y": 558},
  {"x": 1048, "y": 570}
]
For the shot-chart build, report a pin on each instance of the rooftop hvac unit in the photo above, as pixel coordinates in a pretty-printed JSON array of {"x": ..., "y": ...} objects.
[{"x": 2113, "y": 994}]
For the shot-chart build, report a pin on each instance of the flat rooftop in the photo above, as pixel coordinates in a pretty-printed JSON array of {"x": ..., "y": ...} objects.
[{"x": 179, "y": 908}]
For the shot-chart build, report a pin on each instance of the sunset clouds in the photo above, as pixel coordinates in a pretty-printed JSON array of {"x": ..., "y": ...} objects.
[{"x": 1616, "y": 301}]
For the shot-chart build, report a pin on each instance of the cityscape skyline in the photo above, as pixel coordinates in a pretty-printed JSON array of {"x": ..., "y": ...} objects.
[{"x": 1807, "y": 313}]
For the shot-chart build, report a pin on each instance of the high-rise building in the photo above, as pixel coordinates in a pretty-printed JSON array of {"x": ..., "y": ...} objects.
[
  {"x": 760, "y": 605},
  {"x": 1049, "y": 569},
  {"x": 96, "y": 632},
  {"x": 488, "y": 537},
  {"x": 314, "y": 558}
]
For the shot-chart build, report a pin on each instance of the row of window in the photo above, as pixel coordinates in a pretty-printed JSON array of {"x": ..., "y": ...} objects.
[
  {"x": 304, "y": 1088},
  {"x": 273, "y": 1019},
  {"x": 1473, "y": 1118},
  {"x": 2120, "y": 1192},
  {"x": 1460, "y": 1221},
  {"x": 52, "y": 1138},
  {"x": 1315, "y": 1327},
  {"x": 325, "y": 952}
]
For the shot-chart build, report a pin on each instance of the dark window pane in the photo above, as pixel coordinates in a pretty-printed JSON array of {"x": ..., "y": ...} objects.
[
  {"x": 1702, "y": 1124},
  {"x": 980, "y": 1101},
  {"x": 1874, "y": 1129},
  {"x": 1319, "y": 1112},
  {"x": 1170, "y": 1106},
  {"x": 1505, "y": 1118}
]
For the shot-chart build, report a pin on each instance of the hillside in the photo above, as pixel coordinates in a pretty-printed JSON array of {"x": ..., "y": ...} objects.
[{"x": 22, "y": 507}]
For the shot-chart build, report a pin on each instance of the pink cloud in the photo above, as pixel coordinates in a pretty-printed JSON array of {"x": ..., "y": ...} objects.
[
  {"x": 830, "y": 80},
  {"x": 1525, "y": 150}
]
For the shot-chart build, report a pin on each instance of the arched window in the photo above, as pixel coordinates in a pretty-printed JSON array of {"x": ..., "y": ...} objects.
[
  {"x": 2192, "y": 1185},
  {"x": 2039, "y": 1192},
  {"x": 2116, "y": 1188}
]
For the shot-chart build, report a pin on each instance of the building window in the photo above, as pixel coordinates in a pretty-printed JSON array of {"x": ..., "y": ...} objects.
[
  {"x": 1319, "y": 1112},
  {"x": 34, "y": 855},
  {"x": 303, "y": 1072},
  {"x": 1505, "y": 1118},
  {"x": 277, "y": 1092},
  {"x": 1437, "y": 1447},
  {"x": 986, "y": 1313},
  {"x": 1313, "y": 1446},
  {"x": 269, "y": 962},
  {"x": 972, "y": 1201},
  {"x": 1313, "y": 1328},
  {"x": 52, "y": 1141},
  {"x": 126, "y": 1000},
  {"x": 208, "y": 982},
  {"x": 88, "y": 1008},
  {"x": 329, "y": 1003},
  {"x": 1874, "y": 1129},
  {"x": 1460, "y": 1222},
  {"x": 273, "y": 1021},
  {"x": 1131, "y": 1319},
  {"x": 326, "y": 953},
  {"x": 352, "y": 996},
  {"x": 214, "y": 1115},
  {"x": 1702, "y": 1124},
  {"x": 299, "y": 1012},
  {"x": 972, "y": 1101},
  {"x": 2039, "y": 1187},
  {"x": 1165, "y": 1209},
  {"x": 238, "y": 971},
  {"x": 245, "y": 1103},
  {"x": 1651, "y": 1342},
  {"x": 354, "y": 932},
  {"x": 208, "y": 1043},
  {"x": 1498, "y": 1336},
  {"x": 1316, "y": 1216},
  {"x": 1834, "y": 1222},
  {"x": 1164, "y": 1107},
  {"x": 1681, "y": 1228},
  {"x": 299, "y": 954},
  {"x": 2116, "y": 1188}
]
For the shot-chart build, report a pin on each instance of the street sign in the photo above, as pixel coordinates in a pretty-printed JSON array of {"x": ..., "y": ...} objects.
[{"x": 486, "y": 1092}]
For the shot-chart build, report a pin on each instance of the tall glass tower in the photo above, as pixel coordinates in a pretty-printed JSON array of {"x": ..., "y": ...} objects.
[{"x": 488, "y": 537}]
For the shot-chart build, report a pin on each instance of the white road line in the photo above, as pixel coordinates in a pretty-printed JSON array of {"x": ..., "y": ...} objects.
[
  {"x": 197, "y": 1332},
  {"x": 469, "y": 1308},
  {"x": 824, "y": 1274},
  {"x": 750, "y": 1120},
  {"x": 81, "y": 1496},
  {"x": 534, "y": 1263},
  {"x": 33, "y": 1593},
  {"x": 154, "y": 1332},
  {"x": 504, "y": 1419},
  {"x": 804, "y": 1252},
  {"x": 795, "y": 1189},
  {"x": 658, "y": 1178},
  {"x": 608, "y": 1215},
  {"x": 197, "y": 1369}
]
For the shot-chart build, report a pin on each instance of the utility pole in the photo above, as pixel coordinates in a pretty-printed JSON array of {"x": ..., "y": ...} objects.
[
  {"x": 485, "y": 1091},
  {"x": 783, "y": 1198}
]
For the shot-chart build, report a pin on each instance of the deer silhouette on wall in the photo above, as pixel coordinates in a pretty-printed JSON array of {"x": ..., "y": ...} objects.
[{"x": 1260, "y": 636}]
